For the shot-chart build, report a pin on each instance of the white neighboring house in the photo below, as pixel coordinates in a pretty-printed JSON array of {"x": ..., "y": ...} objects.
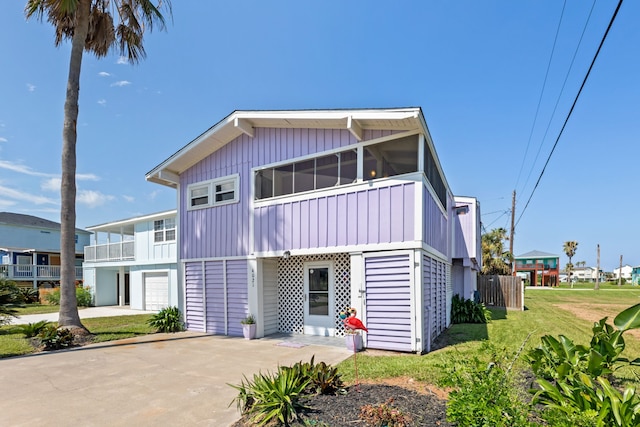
[
  {"x": 134, "y": 262},
  {"x": 626, "y": 272},
  {"x": 584, "y": 274}
]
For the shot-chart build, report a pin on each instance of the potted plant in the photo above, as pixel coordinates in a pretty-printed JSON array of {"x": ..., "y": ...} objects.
[{"x": 249, "y": 327}]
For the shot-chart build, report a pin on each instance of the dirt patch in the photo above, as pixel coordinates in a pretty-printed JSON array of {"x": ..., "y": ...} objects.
[{"x": 594, "y": 312}]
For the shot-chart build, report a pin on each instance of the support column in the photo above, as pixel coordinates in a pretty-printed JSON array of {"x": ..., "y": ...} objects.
[{"x": 121, "y": 300}]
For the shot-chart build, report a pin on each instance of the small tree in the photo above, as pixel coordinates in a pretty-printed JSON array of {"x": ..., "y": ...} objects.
[
  {"x": 570, "y": 247},
  {"x": 495, "y": 260}
]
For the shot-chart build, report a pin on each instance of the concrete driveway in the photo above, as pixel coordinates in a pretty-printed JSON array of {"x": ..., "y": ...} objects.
[{"x": 155, "y": 380}]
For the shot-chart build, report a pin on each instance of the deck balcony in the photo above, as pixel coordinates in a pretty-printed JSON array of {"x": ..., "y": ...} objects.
[
  {"x": 120, "y": 251},
  {"x": 23, "y": 272}
]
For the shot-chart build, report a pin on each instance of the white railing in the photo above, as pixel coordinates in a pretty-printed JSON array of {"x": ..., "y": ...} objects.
[
  {"x": 33, "y": 272},
  {"x": 110, "y": 252}
]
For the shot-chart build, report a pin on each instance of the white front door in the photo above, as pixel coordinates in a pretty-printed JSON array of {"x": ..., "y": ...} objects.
[{"x": 318, "y": 299}]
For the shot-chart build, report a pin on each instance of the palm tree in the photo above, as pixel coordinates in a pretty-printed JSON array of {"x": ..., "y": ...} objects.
[
  {"x": 495, "y": 260},
  {"x": 570, "y": 247},
  {"x": 90, "y": 26}
]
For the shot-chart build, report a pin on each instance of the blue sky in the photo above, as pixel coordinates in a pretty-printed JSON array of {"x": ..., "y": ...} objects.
[{"x": 477, "y": 69}]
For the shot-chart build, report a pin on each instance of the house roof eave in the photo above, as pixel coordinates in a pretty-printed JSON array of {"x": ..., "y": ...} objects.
[{"x": 244, "y": 122}]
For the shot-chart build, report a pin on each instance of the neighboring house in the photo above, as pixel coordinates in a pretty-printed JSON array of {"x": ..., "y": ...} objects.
[
  {"x": 584, "y": 274},
  {"x": 538, "y": 265},
  {"x": 134, "y": 262},
  {"x": 626, "y": 272},
  {"x": 293, "y": 216},
  {"x": 635, "y": 276},
  {"x": 30, "y": 250}
]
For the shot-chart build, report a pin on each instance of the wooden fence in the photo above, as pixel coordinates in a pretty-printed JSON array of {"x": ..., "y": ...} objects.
[{"x": 501, "y": 291}]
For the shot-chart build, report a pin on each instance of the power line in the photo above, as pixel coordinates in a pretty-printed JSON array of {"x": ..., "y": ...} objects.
[
  {"x": 544, "y": 85},
  {"x": 555, "y": 107},
  {"x": 575, "y": 101}
]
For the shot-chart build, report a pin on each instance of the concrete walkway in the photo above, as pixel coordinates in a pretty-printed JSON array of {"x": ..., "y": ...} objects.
[
  {"x": 154, "y": 380},
  {"x": 85, "y": 313}
]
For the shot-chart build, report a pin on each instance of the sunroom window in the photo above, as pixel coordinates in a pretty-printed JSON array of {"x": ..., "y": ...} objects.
[{"x": 391, "y": 158}]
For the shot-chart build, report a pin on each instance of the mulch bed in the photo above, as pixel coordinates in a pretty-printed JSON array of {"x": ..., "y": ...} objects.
[{"x": 338, "y": 410}]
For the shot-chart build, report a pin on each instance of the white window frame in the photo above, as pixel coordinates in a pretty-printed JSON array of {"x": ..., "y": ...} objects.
[
  {"x": 211, "y": 193},
  {"x": 164, "y": 230}
]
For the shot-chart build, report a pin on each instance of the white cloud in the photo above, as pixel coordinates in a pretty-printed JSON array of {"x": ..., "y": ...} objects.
[
  {"x": 122, "y": 60},
  {"x": 22, "y": 169},
  {"x": 129, "y": 199},
  {"x": 121, "y": 83},
  {"x": 6, "y": 203},
  {"x": 30, "y": 87},
  {"x": 153, "y": 194},
  {"x": 86, "y": 177},
  {"x": 102, "y": 102},
  {"x": 21, "y": 195},
  {"x": 3, "y": 139},
  {"x": 52, "y": 184},
  {"x": 92, "y": 198},
  {"x": 104, "y": 74}
]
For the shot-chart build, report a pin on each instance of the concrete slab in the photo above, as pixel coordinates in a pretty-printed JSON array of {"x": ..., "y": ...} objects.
[{"x": 160, "y": 379}]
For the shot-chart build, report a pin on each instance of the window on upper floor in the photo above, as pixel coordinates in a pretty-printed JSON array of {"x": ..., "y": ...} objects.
[
  {"x": 307, "y": 175},
  {"x": 164, "y": 230},
  {"x": 390, "y": 158},
  {"x": 379, "y": 160},
  {"x": 216, "y": 192}
]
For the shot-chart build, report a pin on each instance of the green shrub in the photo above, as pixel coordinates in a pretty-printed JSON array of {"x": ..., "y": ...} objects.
[
  {"x": 9, "y": 300},
  {"x": 29, "y": 295},
  {"x": 54, "y": 339},
  {"x": 485, "y": 393},
  {"x": 322, "y": 378},
  {"x": 384, "y": 414},
  {"x": 83, "y": 297},
  {"x": 32, "y": 329},
  {"x": 574, "y": 380},
  {"x": 269, "y": 397},
  {"x": 468, "y": 311},
  {"x": 168, "y": 319}
]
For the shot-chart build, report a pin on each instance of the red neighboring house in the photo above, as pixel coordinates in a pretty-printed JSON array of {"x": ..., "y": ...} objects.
[{"x": 536, "y": 264}]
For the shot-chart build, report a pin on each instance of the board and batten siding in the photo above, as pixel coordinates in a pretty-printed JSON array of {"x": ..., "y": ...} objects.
[
  {"x": 225, "y": 294},
  {"x": 270, "y": 296},
  {"x": 434, "y": 231},
  {"x": 224, "y": 230},
  {"x": 388, "y": 281},
  {"x": 194, "y": 307},
  {"x": 366, "y": 216}
]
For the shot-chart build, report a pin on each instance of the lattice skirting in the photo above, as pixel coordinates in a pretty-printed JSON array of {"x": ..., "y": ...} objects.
[{"x": 291, "y": 290}]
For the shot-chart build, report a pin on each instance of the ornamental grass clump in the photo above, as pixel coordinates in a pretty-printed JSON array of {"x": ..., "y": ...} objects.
[{"x": 168, "y": 319}]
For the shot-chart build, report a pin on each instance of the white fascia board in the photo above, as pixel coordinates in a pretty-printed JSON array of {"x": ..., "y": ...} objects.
[
  {"x": 134, "y": 220},
  {"x": 244, "y": 125}
]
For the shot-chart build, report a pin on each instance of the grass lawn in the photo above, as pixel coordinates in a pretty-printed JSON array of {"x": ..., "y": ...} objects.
[
  {"x": 548, "y": 312},
  {"x": 39, "y": 309},
  {"x": 13, "y": 343}
]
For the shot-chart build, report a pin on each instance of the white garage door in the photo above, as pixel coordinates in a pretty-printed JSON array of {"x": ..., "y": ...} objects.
[{"x": 156, "y": 294}]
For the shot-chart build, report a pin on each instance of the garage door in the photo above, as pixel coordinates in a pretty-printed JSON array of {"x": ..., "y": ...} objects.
[{"x": 156, "y": 294}]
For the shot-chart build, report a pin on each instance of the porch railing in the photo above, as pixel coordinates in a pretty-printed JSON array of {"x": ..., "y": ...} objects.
[
  {"x": 110, "y": 252},
  {"x": 33, "y": 272}
]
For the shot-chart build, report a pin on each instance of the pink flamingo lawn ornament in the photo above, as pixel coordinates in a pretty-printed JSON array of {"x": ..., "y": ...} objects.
[{"x": 353, "y": 325}]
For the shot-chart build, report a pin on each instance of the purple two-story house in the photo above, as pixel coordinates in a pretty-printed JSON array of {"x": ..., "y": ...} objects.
[{"x": 293, "y": 216}]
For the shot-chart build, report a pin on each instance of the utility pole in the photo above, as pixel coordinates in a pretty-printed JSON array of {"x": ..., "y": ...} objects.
[
  {"x": 620, "y": 273},
  {"x": 513, "y": 230},
  {"x": 597, "y": 288}
]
